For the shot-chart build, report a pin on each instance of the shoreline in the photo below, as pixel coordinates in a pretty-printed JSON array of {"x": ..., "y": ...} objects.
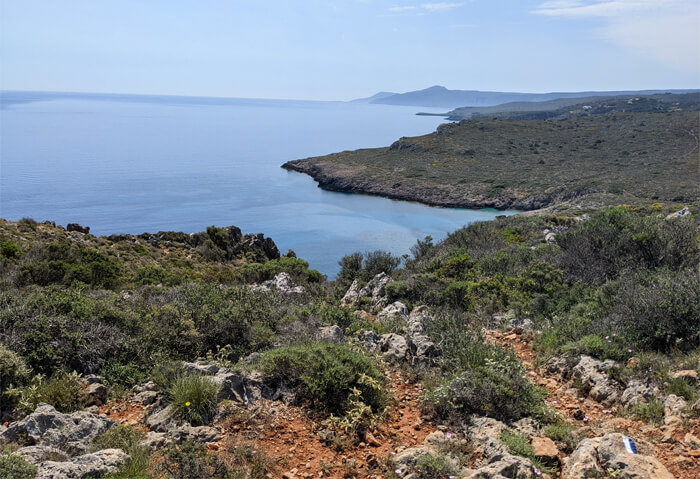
[{"x": 332, "y": 179}]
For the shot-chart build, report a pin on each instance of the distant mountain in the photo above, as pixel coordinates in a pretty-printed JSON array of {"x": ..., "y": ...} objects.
[
  {"x": 441, "y": 97},
  {"x": 375, "y": 97}
]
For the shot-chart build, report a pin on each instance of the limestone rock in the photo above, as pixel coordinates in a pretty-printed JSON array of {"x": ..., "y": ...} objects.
[
  {"x": 583, "y": 462},
  {"x": 545, "y": 448},
  {"x": 395, "y": 310},
  {"x": 331, "y": 333},
  {"x": 423, "y": 347},
  {"x": 394, "y": 347},
  {"x": 97, "y": 392},
  {"x": 613, "y": 455},
  {"x": 282, "y": 283},
  {"x": 86, "y": 466},
  {"x": 673, "y": 409},
  {"x": 370, "y": 340},
  {"x": 352, "y": 296},
  {"x": 418, "y": 319},
  {"x": 635, "y": 393},
  {"x": 72, "y": 433},
  {"x": 521, "y": 325},
  {"x": 591, "y": 373},
  {"x": 679, "y": 214},
  {"x": 689, "y": 375},
  {"x": 146, "y": 398},
  {"x": 376, "y": 289}
]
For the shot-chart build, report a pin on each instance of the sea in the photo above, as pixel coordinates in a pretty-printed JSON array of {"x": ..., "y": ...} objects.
[{"x": 139, "y": 163}]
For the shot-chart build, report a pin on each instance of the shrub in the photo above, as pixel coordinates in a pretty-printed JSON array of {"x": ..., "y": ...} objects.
[
  {"x": 365, "y": 266},
  {"x": 651, "y": 411},
  {"x": 190, "y": 460},
  {"x": 517, "y": 444},
  {"x": 9, "y": 251},
  {"x": 681, "y": 387},
  {"x": 128, "y": 440},
  {"x": 659, "y": 310},
  {"x": 194, "y": 398},
  {"x": 13, "y": 373},
  {"x": 66, "y": 392},
  {"x": 498, "y": 389},
  {"x": 325, "y": 374},
  {"x": 434, "y": 466},
  {"x": 16, "y": 467}
]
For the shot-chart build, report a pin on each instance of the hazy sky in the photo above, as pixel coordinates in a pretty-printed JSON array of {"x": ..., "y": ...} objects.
[{"x": 344, "y": 49}]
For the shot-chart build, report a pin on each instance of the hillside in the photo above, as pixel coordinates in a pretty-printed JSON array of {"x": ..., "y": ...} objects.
[
  {"x": 590, "y": 161},
  {"x": 576, "y": 107},
  {"x": 440, "y": 97},
  {"x": 524, "y": 346}
]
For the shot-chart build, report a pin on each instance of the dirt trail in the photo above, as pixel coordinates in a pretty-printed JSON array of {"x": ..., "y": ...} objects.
[
  {"x": 670, "y": 443},
  {"x": 290, "y": 436}
]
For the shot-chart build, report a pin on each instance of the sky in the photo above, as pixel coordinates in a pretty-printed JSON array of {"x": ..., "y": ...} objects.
[{"x": 345, "y": 49}]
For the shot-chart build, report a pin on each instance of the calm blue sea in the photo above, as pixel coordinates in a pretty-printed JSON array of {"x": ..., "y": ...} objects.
[{"x": 130, "y": 164}]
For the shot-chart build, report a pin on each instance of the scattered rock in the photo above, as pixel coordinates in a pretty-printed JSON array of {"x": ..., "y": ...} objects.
[
  {"x": 423, "y": 347},
  {"x": 282, "y": 283},
  {"x": 352, "y": 296},
  {"x": 72, "y": 433},
  {"x": 395, "y": 310},
  {"x": 376, "y": 289},
  {"x": 418, "y": 319},
  {"x": 394, "y": 347},
  {"x": 545, "y": 448},
  {"x": 583, "y": 462},
  {"x": 592, "y": 374},
  {"x": 688, "y": 375},
  {"x": 78, "y": 228},
  {"x": 86, "y": 466},
  {"x": 331, "y": 333},
  {"x": 97, "y": 394},
  {"x": 521, "y": 325},
  {"x": 369, "y": 340},
  {"x": 679, "y": 214}
]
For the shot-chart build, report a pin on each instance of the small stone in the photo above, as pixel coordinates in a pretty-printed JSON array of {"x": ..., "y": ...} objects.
[{"x": 545, "y": 448}]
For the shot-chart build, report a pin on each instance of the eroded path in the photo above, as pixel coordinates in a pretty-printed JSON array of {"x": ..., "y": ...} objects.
[{"x": 675, "y": 446}]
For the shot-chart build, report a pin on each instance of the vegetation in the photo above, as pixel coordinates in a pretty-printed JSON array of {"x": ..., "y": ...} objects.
[
  {"x": 194, "y": 398},
  {"x": 15, "y": 467},
  {"x": 628, "y": 158}
]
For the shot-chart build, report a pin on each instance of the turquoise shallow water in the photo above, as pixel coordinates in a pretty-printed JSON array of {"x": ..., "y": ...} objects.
[{"x": 124, "y": 164}]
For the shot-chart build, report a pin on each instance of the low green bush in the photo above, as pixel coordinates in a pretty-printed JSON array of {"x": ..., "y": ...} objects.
[
  {"x": 66, "y": 392},
  {"x": 16, "y": 467},
  {"x": 325, "y": 374},
  {"x": 517, "y": 444},
  {"x": 683, "y": 388},
  {"x": 189, "y": 460},
  {"x": 651, "y": 412},
  {"x": 13, "y": 373},
  {"x": 194, "y": 398},
  {"x": 128, "y": 440},
  {"x": 434, "y": 466}
]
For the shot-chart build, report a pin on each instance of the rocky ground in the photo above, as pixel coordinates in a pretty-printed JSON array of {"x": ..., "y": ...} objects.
[{"x": 299, "y": 444}]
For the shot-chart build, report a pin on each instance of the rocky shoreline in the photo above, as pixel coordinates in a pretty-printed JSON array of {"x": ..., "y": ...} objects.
[{"x": 343, "y": 180}]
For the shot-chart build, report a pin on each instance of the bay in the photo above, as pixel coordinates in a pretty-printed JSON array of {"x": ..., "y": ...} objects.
[{"x": 130, "y": 164}]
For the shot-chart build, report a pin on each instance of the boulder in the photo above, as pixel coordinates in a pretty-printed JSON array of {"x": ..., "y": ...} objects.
[
  {"x": 330, "y": 333},
  {"x": 545, "y": 448},
  {"x": 146, "y": 398},
  {"x": 583, "y": 462},
  {"x": 418, "y": 320},
  {"x": 613, "y": 455},
  {"x": 86, "y": 466},
  {"x": 394, "y": 347},
  {"x": 635, "y": 393},
  {"x": 78, "y": 228},
  {"x": 423, "y": 347},
  {"x": 608, "y": 454},
  {"x": 282, "y": 283},
  {"x": 673, "y": 409},
  {"x": 376, "y": 289},
  {"x": 679, "y": 214},
  {"x": 506, "y": 466},
  {"x": 521, "y": 325},
  {"x": 369, "y": 340},
  {"x": 485, "y": 434},
  {"x": 162, "y": 420},
  {"x": 527, "y": 427},
  {"x": 592, "y": 374},
  {"x": 352, "y": 296},
  {"x": 688, "y": 375},
  {"x": 396, "y": 310},
  {"x": 72, "y": 433},
  {"x": 97, "y": 394}
]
